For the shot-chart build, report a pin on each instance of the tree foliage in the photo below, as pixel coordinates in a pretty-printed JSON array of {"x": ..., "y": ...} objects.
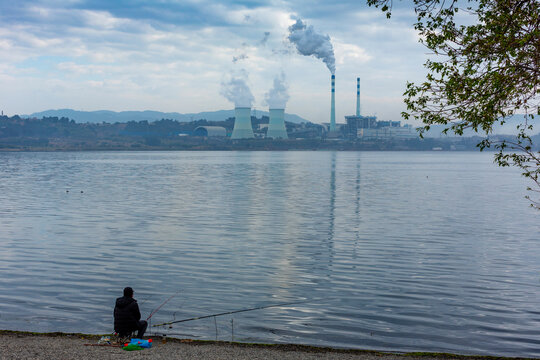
[{"x": 481, "y": 73}]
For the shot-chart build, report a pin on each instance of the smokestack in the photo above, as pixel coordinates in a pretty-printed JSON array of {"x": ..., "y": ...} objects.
[
  {"x": 333, "y": 105},
  {"x": 357, "y": 96},
  {"x": 276, "y": 126},
  {"x": 242, "y": 123}
]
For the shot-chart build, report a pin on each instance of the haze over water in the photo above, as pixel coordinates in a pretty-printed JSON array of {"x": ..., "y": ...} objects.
[{"x": 401, "y": 251}]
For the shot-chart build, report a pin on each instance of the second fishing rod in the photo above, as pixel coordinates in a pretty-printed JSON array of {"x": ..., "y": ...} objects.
[{"x": 162, "y": 304}]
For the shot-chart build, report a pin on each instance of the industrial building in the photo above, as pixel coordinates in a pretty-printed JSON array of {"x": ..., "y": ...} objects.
[
  {"x": 387, "y": 132},
  {"x": 368, "y": 128},
  {"x": 207, "y": 131}
]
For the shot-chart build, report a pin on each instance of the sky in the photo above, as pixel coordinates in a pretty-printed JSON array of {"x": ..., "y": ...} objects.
[{"x": 174, "y": 55}]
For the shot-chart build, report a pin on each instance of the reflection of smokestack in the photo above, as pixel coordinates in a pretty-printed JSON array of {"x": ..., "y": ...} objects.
[
  {"x": 357, "y": 96},
  {"x": 242, "y": 123},
  {"x": 333, "y": 105},
  {"x": 276, "y": 126}
]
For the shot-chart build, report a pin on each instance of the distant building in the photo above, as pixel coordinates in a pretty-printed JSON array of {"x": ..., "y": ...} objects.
[
  {"x": 355, "y": 122},
  {"x": 387, "y": 132},
  {"x": 368, "y": 128},
  {"x": 388, "y": 123},
  {"x": 207, "y": 131}
]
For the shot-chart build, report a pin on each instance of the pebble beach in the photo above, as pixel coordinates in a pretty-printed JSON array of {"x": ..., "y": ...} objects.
[{"x": 26, "y": 346}]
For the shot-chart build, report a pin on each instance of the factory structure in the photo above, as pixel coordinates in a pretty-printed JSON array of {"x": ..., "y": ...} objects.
[
  {"x": 333, "y": 105},
  {"x": 356, "y": 126}
]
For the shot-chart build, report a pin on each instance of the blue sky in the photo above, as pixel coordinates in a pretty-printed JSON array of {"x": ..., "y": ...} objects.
[{"x": 173, "y": 56}]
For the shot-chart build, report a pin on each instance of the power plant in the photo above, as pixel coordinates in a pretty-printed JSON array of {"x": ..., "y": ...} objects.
[
  {"x": 276, "y": 125},
  {"x": 357, "y": 126},
  {"x": 242, "y": 123}
]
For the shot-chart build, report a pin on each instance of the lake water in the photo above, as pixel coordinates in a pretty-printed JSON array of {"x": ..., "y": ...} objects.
[{"x": 401, "y": 251}]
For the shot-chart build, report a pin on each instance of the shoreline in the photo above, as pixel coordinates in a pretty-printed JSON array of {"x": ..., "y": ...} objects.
[
  {"x": 58, "y": 345},
  {"x": 201, "y": 149}
]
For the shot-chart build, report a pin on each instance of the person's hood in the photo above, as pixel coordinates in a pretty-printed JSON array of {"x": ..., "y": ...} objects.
[{"x": 124, "y": 301}]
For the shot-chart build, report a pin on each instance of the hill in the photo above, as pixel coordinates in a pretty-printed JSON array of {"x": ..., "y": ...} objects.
[
  {"x": 125, "y": 116},
  {"x": 508, "y": 128}
]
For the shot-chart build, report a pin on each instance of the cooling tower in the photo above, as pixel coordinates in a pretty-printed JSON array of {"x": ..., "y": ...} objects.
[
  {"x": 333, "y": 105},
  {"x": 357, "y": 96},
  {"x": 276, "y": 126},
  {"x": 242, "y": 124}
]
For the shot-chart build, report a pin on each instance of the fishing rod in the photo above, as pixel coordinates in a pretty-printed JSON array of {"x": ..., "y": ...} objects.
[
  {"x": 232, "y": 312},
  {"x": 163, "y": 303}
]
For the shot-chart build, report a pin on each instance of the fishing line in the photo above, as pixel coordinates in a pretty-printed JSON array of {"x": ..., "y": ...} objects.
[
  {"x": 145, "y": 300},
  {"x": 233, "y": 312}
]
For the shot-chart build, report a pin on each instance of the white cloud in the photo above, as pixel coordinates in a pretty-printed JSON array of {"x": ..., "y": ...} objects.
[
  {"x": 102, "y": 20},
  {"x": 82, "y": 69},
  {"x": 350, "y": 53}
]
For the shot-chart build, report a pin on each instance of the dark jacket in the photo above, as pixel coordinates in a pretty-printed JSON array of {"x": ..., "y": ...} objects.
[{"x": 126, "y": 315}]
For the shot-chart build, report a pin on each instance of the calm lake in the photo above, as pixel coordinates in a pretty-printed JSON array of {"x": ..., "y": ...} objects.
[{"x": 401, "y": 251}]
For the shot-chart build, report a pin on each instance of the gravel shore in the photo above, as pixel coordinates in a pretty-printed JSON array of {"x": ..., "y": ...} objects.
[{"x": 18, "y": 345}]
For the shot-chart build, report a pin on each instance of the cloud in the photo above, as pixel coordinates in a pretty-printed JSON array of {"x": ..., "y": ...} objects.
[{"x": 350, "y": 53}]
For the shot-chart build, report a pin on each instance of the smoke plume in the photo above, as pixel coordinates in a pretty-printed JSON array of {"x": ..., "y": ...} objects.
[
  {"x": 236, "y": 90},
  {"x": 277, "y": 97},
  {"x": 235, "y": 59},
  {"x": 310, "y": 43},
  {"x": 265, "y": 38}
]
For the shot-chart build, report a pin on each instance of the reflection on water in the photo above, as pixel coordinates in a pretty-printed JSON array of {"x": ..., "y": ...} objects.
[{"x": 395, "y": 251}]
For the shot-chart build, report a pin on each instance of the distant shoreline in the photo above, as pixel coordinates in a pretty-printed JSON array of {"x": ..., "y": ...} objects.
[
  {"x": 197, "y": 144},
  {"x": 62, "y": 134},
  {"x": 230, "y": 150}
]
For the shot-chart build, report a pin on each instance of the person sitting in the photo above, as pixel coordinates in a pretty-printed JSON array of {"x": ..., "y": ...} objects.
[{"x": 127, "y": 317}]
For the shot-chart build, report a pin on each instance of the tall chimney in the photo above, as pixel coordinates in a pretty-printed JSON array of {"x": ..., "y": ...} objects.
[
  {"x": 357, "y": 96},
  {"x": 276, "y": 126},
  {"x": 242, "y": 124},
  {"x": 333, "y": 105}
]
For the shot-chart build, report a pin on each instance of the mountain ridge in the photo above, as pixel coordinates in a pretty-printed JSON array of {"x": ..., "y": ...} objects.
[
  {"x": 508, "y": 128},
  {"x": 109, "y": 116}
]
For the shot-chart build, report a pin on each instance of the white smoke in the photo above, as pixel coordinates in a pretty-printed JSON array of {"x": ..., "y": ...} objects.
[
  {"x": 236, "y": 90},
  {"x": 277, "y": 97},
  {"x": 310, "y": 43}
]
